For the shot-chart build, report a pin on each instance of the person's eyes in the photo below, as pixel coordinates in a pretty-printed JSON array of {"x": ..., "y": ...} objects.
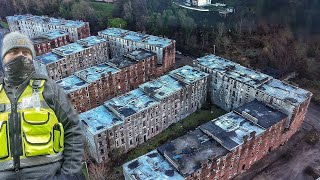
[{"x": 14, "y": 51}]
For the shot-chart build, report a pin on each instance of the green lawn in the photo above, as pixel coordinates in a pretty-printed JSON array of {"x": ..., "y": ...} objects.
[
  {"x": 103, "y": 8},
  {"x": 174, "y": 131}
]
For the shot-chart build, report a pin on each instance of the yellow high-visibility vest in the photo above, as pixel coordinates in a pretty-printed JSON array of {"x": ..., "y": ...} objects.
[{"x": 41, "y": 133}]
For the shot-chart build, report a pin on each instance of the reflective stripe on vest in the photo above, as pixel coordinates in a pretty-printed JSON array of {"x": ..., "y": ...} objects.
[{"x": 41, "y": 133}]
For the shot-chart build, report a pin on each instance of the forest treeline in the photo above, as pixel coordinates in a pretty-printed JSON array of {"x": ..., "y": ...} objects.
[
  {"x": 278, "y": 43},
  {"x": 68, "y": 9},
  {"x": 257, "y": 35}
]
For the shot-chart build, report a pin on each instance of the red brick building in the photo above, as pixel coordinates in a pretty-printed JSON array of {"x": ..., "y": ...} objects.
[
  {"x": 50, "y": 40},
  {"x": 222, "y": 148},
  {"x": 91, "y": 87},
  {"x": 122, "y": 41},
  {"x": 64, "y": 61}
]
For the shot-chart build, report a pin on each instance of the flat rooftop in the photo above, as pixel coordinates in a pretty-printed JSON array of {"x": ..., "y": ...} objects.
[
  {"x": 134, "y": 36},
  {"x": 40, "y": 40},
  {"x": 71, "y": 84},
  {"x": 233, "y": 70},
  {"x": 47, "y": 20},
  {"x": 69, "y": 49},
  {"x": 121, "y": 62},
  {"x": 151, "y": 166},
  {"x": 162, "y": 87},
  {"x": 99, "y": 119},
  {"x": 48, "y": 36},
  {"x": 188, "y": 74},
  {"x": 130, "y": 58},
  {"x": 48, "y": 58},
  {"x": 139, "y": 54},
  {"x": 260, "y": 113},
  {"x": 91, "y": 41},
  {"x": 230, "y": 129},
  {"x": 158, "y": 41},
  {"x": 188, "y": 152},
  {"x": 285, "y": 92},
  {"x": 137, "y": 37},
  {"x": 54, "y": 34},
  {"x": 130, "y": 103},
  {"x": 94, "y": 73},
  {"x": 116, "y": 32}
]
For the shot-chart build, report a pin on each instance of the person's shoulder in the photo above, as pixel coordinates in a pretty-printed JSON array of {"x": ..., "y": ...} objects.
[
  {"x": 49, "y": 83},
  {"x": 39, "y": 76}
]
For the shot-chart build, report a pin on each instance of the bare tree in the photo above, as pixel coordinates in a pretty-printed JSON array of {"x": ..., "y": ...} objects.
[
  {"x": 98, "y": 171},
  {"x": 221, "y": 28}
]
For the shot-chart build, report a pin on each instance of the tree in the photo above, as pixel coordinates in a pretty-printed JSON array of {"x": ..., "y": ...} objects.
[
  {"x": 117, "y": 22},
  {"x": 98, "y": 171}
]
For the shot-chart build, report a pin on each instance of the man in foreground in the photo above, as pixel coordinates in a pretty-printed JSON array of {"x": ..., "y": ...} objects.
[{"x": 40, "y": 135}]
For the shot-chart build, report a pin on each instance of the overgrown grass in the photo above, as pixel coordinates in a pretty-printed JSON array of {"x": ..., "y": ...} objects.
[
  {"x": 172, "y": 132},
  {"x": 313, "y": 86}
]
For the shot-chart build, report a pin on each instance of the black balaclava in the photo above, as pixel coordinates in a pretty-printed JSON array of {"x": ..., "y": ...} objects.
[{"x": 18, "y": 70}]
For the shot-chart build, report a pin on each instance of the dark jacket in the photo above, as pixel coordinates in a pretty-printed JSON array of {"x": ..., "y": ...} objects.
[{"x": 70, "y": 165}]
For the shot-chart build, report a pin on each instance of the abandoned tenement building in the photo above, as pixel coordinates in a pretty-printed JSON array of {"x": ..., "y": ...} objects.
[
  {"x": 135, "y": 117},
  {"x": 106, "y": 76},
  {"x": 265, "y": 113},
  {"x": 64, "y": 61},
  {"x": 219, "y": 149},
  {"x": 232, "y": 85},
  {"x": 83, "y": 69},
  {"x": 122, "y": 41},
  {"x": 34, "y": 26},
  {"x": 45, "y": 42},
  {"x": 92, "y": 86}
]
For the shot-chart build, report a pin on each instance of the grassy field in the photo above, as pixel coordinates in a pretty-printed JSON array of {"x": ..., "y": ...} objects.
[
  {"x": 174, "y": 131},
  {"x": 104, "y": 9}
]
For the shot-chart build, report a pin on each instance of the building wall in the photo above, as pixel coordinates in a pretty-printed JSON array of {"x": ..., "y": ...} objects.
[
  {"x": 47, "y": 46},
  {"x": 91, "y": 143},
  {"x": 99, "y": 144},
  {"x": 83, "y": 31},
  {"x": 167, "y": 59},
  {"x": 297, "y": 120},
  {"x": 226, "y": 92}
]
